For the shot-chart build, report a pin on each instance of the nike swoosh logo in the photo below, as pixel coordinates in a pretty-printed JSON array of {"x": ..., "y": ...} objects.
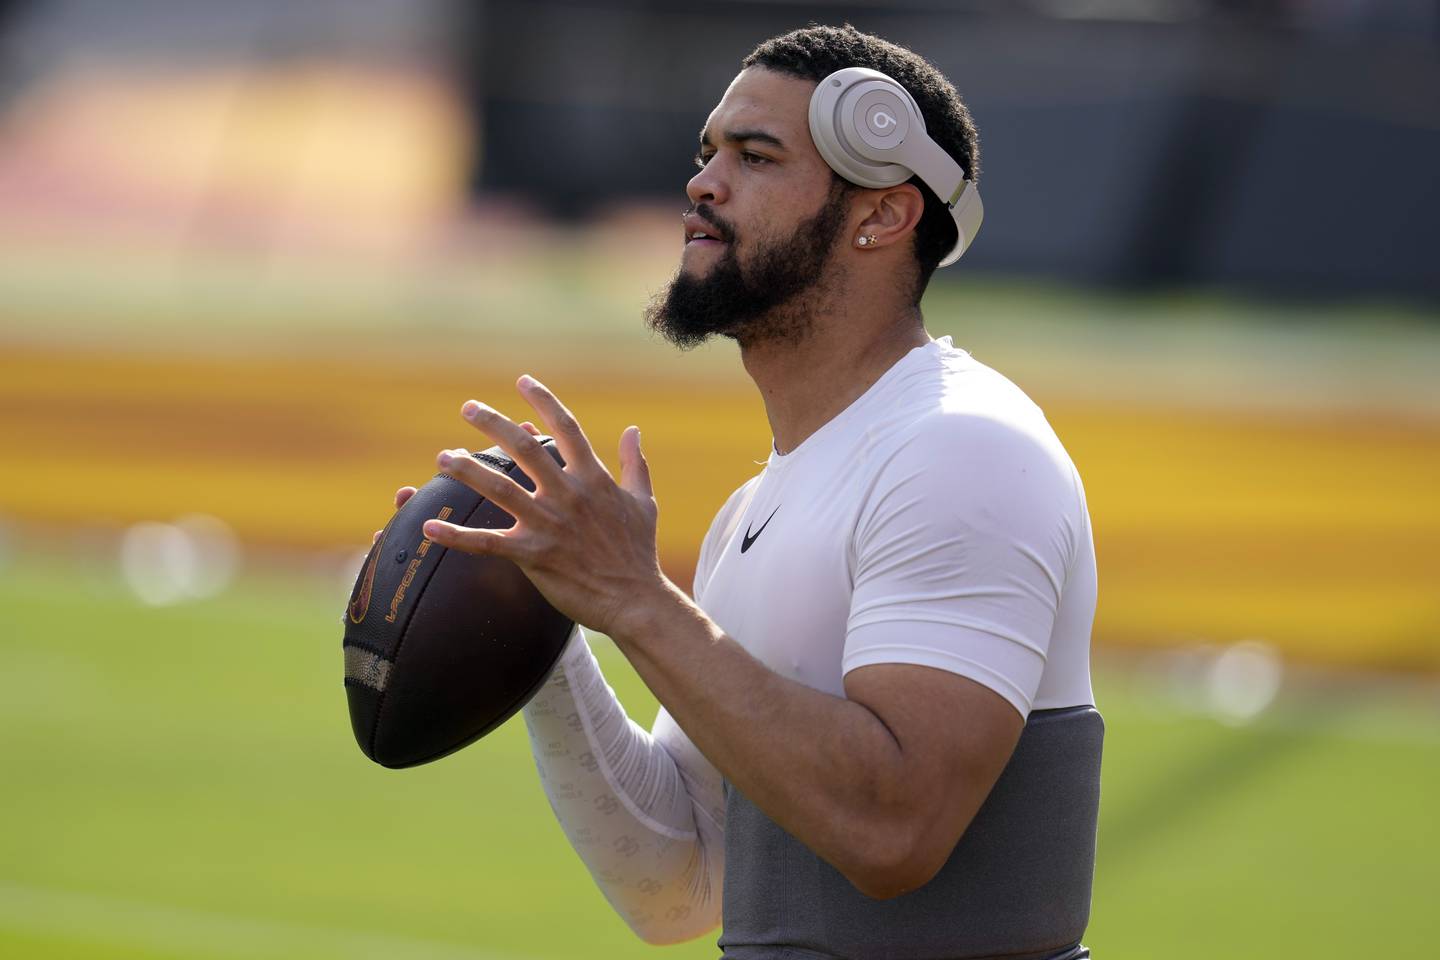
[
  {"x": 752, "y": 537},
  {"x": 360, "y": 606}
]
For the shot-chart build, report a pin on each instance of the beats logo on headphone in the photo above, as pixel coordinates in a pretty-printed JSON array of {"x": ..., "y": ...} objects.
[{"x": 868, "y": 128}]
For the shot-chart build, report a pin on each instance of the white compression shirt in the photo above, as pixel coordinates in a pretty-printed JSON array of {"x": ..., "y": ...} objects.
[{"x": 935, "y": 521}]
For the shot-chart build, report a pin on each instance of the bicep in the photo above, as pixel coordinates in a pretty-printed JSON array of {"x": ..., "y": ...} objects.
[
  {"x": 960, "y": 560},
  {"x": 955, "y": 736}
]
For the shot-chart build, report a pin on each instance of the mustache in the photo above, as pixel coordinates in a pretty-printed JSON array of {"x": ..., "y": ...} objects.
[{"x": 705, "y": 212}]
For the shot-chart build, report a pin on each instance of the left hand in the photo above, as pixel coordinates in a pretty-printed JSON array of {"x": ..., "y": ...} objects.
[{"x": 586, "y": 542}]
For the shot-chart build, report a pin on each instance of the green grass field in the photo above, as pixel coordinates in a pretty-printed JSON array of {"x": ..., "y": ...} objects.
[{"x": 182, "y": 783}]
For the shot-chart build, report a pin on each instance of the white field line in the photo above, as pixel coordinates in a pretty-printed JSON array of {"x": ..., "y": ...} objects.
[{"x": 119, "y": 921}]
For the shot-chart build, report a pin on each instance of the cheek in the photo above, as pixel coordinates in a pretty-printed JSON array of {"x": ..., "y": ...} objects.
[
  {"x": 759, "y": 227},
  {"x": 776, "y": 218}
]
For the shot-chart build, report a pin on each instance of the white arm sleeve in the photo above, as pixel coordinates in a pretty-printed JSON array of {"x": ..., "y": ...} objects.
[{"x": 645, "y": 811}]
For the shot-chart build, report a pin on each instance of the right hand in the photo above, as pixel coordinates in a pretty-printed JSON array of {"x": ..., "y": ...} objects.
[{"x": 405, "y": 493}]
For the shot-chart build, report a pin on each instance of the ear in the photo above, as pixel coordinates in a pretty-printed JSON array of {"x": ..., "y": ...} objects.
[{"x": 894, "y": 214}]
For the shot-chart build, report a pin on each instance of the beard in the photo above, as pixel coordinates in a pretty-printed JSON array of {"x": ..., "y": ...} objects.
[{"x": 772, "y": 298}]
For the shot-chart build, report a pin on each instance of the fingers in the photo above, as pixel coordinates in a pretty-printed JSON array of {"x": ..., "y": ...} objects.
[
  {"x": 471, "y": 539},
  {"x": 569, "y": 436},
  {"x": 634, "y": 470},
  {"x": 521, "y": 445},
  {"x": 530, "y": 428},
  {"x": 489, "y": 483}
]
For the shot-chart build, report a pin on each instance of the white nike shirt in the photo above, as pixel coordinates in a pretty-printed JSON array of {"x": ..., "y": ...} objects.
[{"x": 937, "y": 521}]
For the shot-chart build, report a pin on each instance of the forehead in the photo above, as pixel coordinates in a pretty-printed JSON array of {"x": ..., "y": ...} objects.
[{"x": 764, "y": 100}]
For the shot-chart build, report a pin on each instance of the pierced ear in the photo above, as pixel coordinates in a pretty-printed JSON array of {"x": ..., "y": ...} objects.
[{"x": 896, "y": 213}]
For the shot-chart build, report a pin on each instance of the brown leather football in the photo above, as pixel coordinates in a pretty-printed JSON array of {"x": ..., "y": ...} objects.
[{"x": 441, "y": 647}]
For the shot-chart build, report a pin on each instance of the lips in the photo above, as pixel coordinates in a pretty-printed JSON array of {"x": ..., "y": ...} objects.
[{"x": 698, "y": 231}]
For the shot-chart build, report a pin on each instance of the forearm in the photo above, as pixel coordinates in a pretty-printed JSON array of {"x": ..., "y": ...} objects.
[
  {"x": 626, "y": 805},
  {"x": 823, "y": 767}
]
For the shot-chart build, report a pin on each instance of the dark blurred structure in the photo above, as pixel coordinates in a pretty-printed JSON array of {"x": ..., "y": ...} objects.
[{"x": 1289, "y": 146}]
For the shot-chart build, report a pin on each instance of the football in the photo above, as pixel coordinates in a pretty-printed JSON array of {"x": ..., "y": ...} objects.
[{"x": 441, "y": 647}]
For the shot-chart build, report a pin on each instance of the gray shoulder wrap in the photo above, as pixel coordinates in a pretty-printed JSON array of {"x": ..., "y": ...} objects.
[{"x": 1017, "y": 885}]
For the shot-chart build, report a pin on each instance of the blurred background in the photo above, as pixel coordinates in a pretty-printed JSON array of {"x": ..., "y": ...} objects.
[{"x": 253, "y": 257}]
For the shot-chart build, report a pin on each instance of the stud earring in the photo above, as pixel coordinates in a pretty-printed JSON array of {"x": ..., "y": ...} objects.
[{"x": 866, "y": 240}]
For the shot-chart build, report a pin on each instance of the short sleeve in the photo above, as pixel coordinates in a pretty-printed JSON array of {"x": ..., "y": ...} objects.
[{"x": 961, "y": 552}]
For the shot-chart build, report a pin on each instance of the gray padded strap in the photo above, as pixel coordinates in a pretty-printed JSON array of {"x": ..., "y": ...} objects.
[{"x": 1016, "y": 886}]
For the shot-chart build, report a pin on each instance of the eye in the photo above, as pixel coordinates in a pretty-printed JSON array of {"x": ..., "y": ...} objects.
[
  {"x": 702, "y": 158},
  {"x": 753, "y": 159}
]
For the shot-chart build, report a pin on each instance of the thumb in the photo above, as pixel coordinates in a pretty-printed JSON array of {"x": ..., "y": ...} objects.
[{"x": 634, "y": 471}]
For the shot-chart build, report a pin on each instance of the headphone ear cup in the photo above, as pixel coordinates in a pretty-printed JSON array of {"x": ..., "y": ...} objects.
[
  {"x": 876, "y": 122},
  {"x": 872, "y": 133},
  {"x": 857, "y": 117}
]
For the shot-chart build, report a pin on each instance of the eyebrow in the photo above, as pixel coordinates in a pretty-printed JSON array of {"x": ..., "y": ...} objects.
[{"x": 744, "y": 136}]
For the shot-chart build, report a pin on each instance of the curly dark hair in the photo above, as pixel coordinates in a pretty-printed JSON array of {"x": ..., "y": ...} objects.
[{"x": 815, "y": 52}]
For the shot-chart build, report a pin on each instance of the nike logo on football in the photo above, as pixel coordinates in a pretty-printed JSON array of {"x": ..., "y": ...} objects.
[
  {"x": 752, "y": 537},
  {"x": 360, "y": 606}
]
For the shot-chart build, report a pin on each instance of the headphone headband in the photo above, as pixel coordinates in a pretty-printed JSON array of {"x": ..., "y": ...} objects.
[{"x": 871, "y": 132}]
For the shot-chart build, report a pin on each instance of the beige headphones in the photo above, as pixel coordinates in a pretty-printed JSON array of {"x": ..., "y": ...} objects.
[{"x": 868, "y": 128}]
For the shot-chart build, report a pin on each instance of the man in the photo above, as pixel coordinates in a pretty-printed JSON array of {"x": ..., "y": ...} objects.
[{"x": 875, "y": 616}]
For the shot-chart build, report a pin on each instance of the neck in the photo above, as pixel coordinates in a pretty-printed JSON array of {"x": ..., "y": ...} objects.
[{"x": 806, "y": 383}]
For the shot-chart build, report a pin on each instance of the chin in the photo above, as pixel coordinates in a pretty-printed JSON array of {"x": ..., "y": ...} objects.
[{"x": 692, "y": 266}]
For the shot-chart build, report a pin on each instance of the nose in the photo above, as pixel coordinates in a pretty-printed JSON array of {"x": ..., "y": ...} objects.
[{"x": 707, "y": 186}]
